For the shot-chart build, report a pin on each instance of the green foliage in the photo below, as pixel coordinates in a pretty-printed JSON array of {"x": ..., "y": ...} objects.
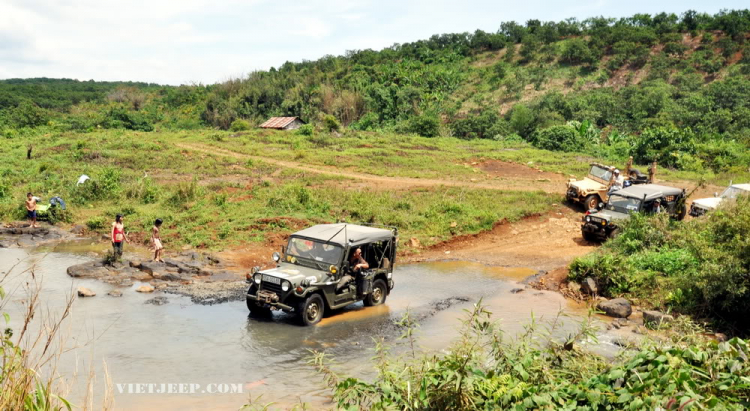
[
  {"x": 576, "y": 51},
  {"x": 306, "y": 130},
  {"x": 239, "y": 125},
  {"x": 143, "y": 190},
  {"x": 522, "y": 120},
  {"x": 557, "y": 138},
  {"x": 330, "y": 123},
  {"x": 425, "y": 125},
  {"x": 699, "y": 267},
  {"x": 103, "y": 185},
  {"x": 96, "y": 223},
  {"x": 629, "y": 75},
  {"x": 485, "y": 370}
]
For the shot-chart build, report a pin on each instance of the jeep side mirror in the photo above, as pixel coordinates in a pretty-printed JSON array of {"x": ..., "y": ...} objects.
[{"x": 601, "y": 205}]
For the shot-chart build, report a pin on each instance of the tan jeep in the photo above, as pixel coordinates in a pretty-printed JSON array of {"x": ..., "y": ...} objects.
[{"x": 594, "y": 188}]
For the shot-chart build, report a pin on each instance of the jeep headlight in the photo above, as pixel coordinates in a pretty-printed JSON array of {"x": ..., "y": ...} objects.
[
  {"x": 285, "y": 286},
  {"x": 588, "y": 219},
  {"x": 604, "y": 222},
  {"x": 257, "y": 278}
]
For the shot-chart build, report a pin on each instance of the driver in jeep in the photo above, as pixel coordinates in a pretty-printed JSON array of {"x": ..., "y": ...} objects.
[{"x": 356, "y": 264}]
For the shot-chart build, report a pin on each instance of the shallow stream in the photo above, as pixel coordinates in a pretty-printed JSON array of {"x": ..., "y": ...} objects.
[{"x": 184, "y": 343}]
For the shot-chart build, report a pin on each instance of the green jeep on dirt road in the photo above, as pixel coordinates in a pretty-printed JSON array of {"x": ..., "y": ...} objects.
[
  {"x": 313, "y": 275},
  {"x": 600, "y": 225}
]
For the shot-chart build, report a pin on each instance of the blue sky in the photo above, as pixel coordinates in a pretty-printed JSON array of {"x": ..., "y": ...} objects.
[{"x": 206, "y": 41}]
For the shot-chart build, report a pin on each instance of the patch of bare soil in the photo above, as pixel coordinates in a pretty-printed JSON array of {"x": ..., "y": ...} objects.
[{"x": 544, "y": 242}]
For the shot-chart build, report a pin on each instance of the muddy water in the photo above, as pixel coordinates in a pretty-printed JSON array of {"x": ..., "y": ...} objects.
[{"x": 184, "y": 343}]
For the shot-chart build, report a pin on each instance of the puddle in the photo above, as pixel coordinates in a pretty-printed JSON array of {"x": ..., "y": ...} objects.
[{"x": 180, "y": 342}]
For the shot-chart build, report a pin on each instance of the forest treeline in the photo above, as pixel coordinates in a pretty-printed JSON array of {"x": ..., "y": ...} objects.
[{"x": 666, "y": 87}]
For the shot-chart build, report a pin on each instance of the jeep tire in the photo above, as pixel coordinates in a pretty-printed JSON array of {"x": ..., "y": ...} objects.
[
  {"x": 311, "y": 309},
  {"x": 591, "y": 202},
  {"x": 378, "y": 294},
  {"x": 681, "y": 212}
]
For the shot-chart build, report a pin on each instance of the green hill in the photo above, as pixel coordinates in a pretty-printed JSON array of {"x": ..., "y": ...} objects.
[{"x": 670, "y": 88}]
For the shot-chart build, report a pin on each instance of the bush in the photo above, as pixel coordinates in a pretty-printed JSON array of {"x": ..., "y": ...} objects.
[
  {"x": 306, "y": 130},
  {"x": 576, "y": 51},
  {"x": 330, "y": 123},
  {"x": 96, "y": 223},
  {"x": 485, "y": 370},
  {"x": 426, "y": 125},
  {"x": 239, "y": 125},
  {"x": 558, "y": 138},
  {"x": 144, "y": 190},
  {"x": 102, "y": 185},
  {"x": 697, "y": 267}
]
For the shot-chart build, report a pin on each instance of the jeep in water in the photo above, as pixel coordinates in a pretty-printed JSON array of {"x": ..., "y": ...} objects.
[
  {"x": 594, "y": 188},
  {"x": 703, "y": 205},
  {"x": 313, "y": 274},
  {"x": 646, "y": 198}
]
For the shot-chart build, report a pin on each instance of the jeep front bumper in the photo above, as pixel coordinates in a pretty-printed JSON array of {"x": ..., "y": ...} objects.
[
  {"x": 572, "y": 194},
  {"x": 594, "y": 229},
  {"x": 697, "y": 211},
  {"x": 266, "y": 300}
]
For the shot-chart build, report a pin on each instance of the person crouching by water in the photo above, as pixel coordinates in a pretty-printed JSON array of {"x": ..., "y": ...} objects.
[
  {"x": 118, "y": 236},
  {"x": 31, "y": 209},
  {"x": 156, "y": 240}
]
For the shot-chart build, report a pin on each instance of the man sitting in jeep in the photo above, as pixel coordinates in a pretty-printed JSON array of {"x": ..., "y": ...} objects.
[{"x": 356, "y": 264}]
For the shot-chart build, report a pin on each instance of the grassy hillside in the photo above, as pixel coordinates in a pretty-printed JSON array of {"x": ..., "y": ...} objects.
[{"x": 670, "y": 88}]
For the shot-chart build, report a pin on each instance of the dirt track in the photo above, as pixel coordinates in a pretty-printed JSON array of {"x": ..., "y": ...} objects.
[
  {"x": 493, "y": 179},
  {"x": 543, "y": 242}
]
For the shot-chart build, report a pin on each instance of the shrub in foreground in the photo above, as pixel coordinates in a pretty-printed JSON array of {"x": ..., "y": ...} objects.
[{"x": 481, "y": 371}]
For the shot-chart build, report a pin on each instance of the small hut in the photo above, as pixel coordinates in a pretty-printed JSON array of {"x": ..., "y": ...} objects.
[{"x": 283, "y": 123}]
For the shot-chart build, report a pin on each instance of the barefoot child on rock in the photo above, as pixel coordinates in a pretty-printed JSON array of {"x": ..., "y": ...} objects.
[{"x": 156, "y": 240}]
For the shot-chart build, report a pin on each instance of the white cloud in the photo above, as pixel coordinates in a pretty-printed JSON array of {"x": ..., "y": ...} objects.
[{"x": 206, "y": 41}]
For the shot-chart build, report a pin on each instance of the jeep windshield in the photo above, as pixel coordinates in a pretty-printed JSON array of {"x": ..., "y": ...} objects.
[
  {"x": 600, "y": 173},
  {"x": 623, "y": 204},
  {"x": 733, "y": 192},
  {"x": 316, "y": 251}
]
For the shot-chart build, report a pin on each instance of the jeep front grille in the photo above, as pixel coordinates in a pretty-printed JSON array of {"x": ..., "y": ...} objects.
[{"x": 275, "y": 288}]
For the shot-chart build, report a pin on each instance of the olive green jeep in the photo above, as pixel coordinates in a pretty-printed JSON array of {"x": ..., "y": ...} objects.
[
  {"x": 313, "y": 273},
  {"x": 645, "y": 198}
]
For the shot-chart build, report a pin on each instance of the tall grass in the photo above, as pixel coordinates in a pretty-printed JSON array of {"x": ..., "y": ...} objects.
[{"x": 31, "y": 352}]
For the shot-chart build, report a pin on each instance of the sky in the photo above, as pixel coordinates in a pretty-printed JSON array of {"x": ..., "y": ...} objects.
[{"x": 208, "y": 41}]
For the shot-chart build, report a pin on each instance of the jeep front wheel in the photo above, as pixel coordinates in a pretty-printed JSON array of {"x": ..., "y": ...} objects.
[
  {"x": 378, "y": 294},
  {"x": 682, "y": 212},
  {"x": 591, "y": 202},
  {"x": 310, "y": 310}
]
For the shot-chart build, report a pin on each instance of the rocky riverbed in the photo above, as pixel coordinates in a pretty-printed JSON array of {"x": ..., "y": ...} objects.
[
  {"x": 204, "y": 278},
  {"x": 22, "y": 235}
]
